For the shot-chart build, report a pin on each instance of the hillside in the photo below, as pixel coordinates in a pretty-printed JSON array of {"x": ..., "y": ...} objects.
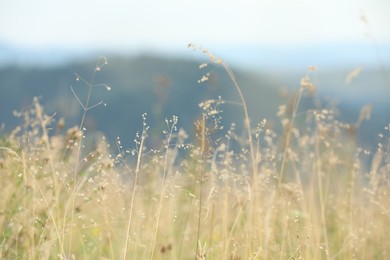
[
  {"x": 162, "y": 87},
  {"x": 156, "y": 86}
]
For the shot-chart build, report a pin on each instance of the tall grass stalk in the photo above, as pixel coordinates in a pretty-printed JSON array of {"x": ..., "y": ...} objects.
[
  {"x": 133, "y": 195},
  {"x": 319, "y": 173},
  {"x": 171, "y": 128},
  {"x": 248, "y": 128},
  {"x": 102, "y": 61},
  {"x": 289, "y": 130},
  {"x": 203, "y": 141},
  {"x": 44, "y": 121}
]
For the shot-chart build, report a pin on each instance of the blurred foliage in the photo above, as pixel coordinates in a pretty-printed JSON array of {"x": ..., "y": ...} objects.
[
  {"x": 156, "y": 86},
  {"x": 163, "y": 87}
]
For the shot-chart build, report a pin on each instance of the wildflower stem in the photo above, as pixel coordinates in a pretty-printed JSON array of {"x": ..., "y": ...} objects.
[
  {"x": 288, "y": 136},
  {"x": 137, "y": 168}
]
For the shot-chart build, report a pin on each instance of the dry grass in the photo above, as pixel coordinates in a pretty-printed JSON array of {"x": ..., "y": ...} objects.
[{"x": 302, "y": 194}]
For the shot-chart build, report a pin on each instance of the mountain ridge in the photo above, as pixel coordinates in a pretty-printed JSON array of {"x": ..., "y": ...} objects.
[{"x": 163, "y": 87}]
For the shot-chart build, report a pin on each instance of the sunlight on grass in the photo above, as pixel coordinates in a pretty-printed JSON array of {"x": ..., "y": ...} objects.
[{"x": 303, "y": 193}]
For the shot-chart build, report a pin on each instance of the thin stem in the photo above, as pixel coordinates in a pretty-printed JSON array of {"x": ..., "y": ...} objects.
[
  {"x": 252, "y": 217},
  {"x": 134, "y": 192},
  {"x": 162, "y": 189},
  {"x": 203, "y": 155},
  {"x": 318, "y": 166},
  {"x": 90, "y": 85},
  {"x": 288, "y": 137},
  {"x": 247, "y": 118}
]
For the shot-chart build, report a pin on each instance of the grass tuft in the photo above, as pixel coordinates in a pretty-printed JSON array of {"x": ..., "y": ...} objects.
[{"x": 302, "y": 193}]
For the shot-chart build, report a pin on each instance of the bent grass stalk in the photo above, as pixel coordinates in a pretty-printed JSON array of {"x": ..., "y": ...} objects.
[
  {"x": 288, "y": 137},
  {"x": 247, "y": 126},
  {"x": 232, "y": 77},
  {"x": 306, "y": 84}
]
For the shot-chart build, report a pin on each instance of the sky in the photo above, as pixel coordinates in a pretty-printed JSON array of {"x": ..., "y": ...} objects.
[
  {"x": 173, "y": 23},
  {"x": 169, "y": 25},
  {"x": 263, "y": 35}
]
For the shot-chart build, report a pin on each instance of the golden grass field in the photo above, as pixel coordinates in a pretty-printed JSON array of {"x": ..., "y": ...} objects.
[{"x": 306, "y": 192}]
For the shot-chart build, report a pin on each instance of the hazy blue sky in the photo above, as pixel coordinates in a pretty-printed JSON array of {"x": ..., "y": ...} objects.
[{"x": 142, "y": 24}]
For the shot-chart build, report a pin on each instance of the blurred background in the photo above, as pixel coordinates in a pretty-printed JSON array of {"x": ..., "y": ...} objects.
[{"x": 269, "y": 45}]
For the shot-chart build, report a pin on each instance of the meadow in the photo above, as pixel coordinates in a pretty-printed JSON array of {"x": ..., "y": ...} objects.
[{"x": 305, "y": 192}]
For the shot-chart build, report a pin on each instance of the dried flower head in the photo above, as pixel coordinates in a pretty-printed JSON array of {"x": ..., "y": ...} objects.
[
  {"x": 307, "y": 84},
  {"x": 353, "y": 74}
]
